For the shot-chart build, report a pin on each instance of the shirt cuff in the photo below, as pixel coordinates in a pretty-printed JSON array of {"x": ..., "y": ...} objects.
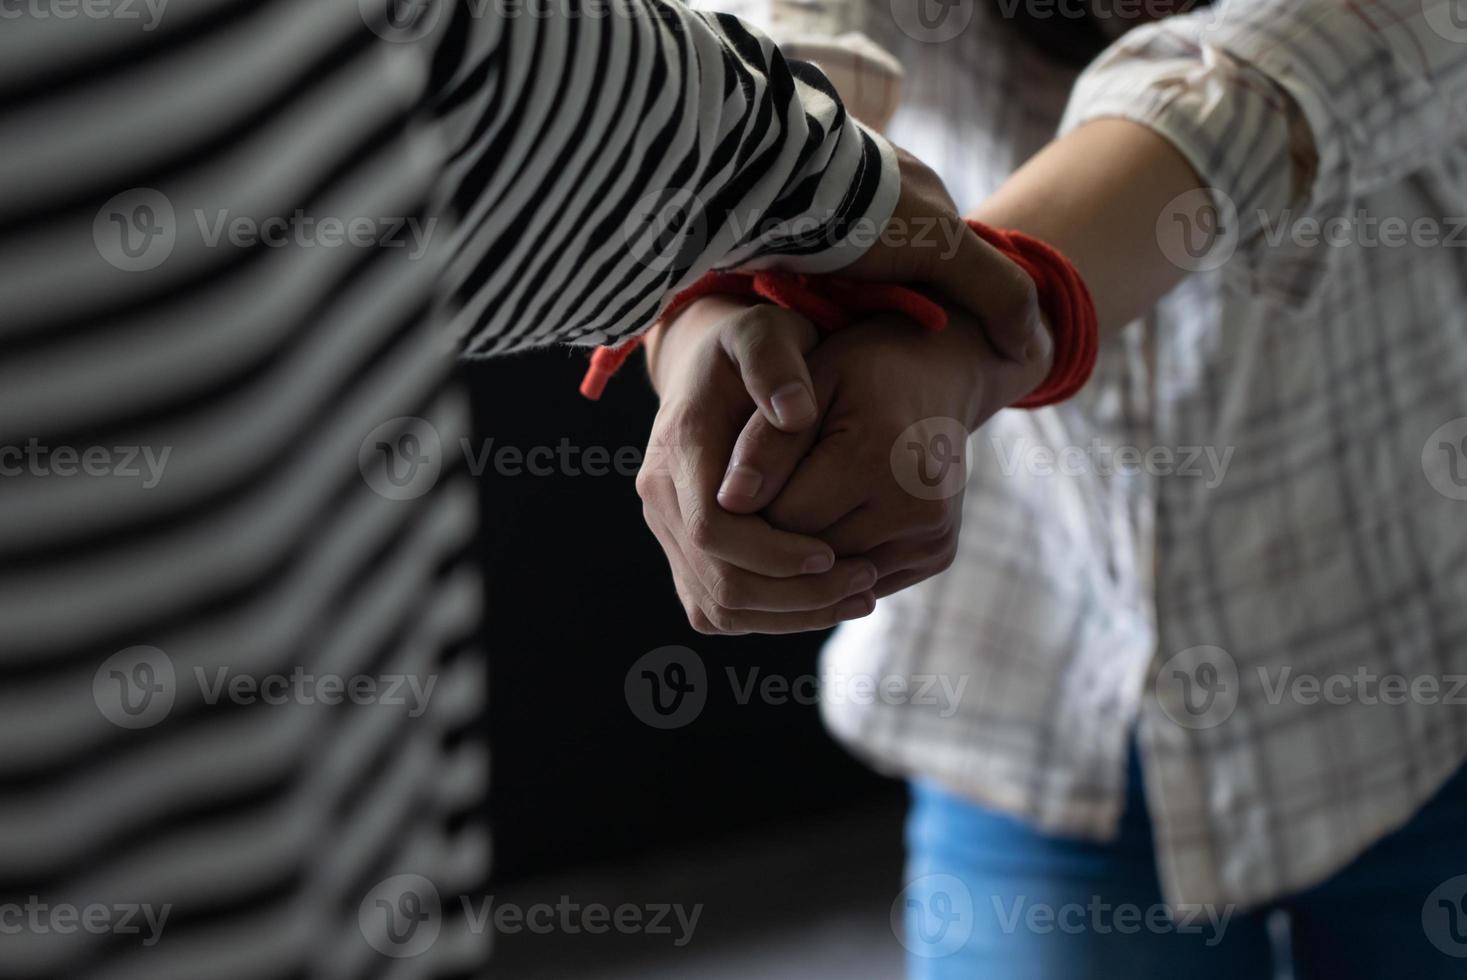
[
  {"x": 1244, "y": 135},
  {"x": 814, "y": 242}
]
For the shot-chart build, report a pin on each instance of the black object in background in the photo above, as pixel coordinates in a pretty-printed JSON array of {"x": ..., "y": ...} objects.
[
  {"x": 1069, "y": 33},
  {"x": 577, "y": 591}
]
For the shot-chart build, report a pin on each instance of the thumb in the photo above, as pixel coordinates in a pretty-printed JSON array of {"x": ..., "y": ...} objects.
[
  {"x": 768, "y": 346},
  {"x": 764, "y": 457},
  {"x": 763, "y": 460},
  {"x": 983, "y": 280}
]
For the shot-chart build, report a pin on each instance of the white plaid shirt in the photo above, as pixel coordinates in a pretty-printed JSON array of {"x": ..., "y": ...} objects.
[{"x": 1299, "y": 515}]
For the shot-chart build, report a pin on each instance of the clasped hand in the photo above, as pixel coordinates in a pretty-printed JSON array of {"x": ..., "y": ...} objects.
[{"x": 790, "y": 480}]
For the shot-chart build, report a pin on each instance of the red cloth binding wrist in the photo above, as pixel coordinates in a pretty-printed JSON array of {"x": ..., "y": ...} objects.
[
  {"x": 829, "y": 302},
  {"x": 832, "y": 302},
  {"x": 1067, "y": 306}
]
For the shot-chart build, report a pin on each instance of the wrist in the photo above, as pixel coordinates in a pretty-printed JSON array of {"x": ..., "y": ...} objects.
[
  {"x": 989, "y": 381},
  {"x": 672, "y": 340}
]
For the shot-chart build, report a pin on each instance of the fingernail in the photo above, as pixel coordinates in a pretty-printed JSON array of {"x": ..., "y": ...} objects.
[
  {"x": 741, "y": 481},
  {"x": 792, "y": 404},
  {"x": 816, "y": 564},
  {"x": 863, "y": 580},
  {"x": 856, "y": 606}
]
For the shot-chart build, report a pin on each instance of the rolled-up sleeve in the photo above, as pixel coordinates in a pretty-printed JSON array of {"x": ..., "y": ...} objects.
[{"x": 1291, "y": 107}]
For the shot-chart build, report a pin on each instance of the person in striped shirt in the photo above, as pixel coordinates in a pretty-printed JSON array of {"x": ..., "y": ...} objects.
[{"x": 245, "y": 241}]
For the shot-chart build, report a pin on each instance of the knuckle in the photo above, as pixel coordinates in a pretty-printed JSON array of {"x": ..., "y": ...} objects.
[
  {"x": 721, "y": 619},
  {"x": 771, "y": 351},
  {"x": 725, "y": 591},
  {"x": 655, "y": 473},
  {"x": 945, "y": 558},
  {"x": 699, "y": 621},
  {"x": 756, "y": 326},
  {"x": 646, "y": 484},
  {"x": 938, "y": 553},
  {"x": 763, "y": 359},
  {"x": 789, "y": 329},
  {"x": 699, "y": 531}
]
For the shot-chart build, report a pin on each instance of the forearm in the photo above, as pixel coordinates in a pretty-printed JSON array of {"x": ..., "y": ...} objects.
[
  {"x": 1096, "y": 195},
  {"x": 1287, "y": 110},
  {"x": 669, "y": 142}
]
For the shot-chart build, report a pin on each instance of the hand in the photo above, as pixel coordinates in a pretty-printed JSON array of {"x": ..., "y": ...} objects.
[
  {"x": 925, "y": 241},
  {"x": 884, "y": 388},
  {"x": 719, "y": 363}
]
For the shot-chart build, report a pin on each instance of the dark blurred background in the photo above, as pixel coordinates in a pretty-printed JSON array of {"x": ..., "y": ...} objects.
[{"x": 792, "y": 845}]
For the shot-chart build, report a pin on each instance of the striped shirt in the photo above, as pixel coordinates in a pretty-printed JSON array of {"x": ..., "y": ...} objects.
[
  {"x": 240, "y": 246},
  {"x": 1244, "y": 544}
]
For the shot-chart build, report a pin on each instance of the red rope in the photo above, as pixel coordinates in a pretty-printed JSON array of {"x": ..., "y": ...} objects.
[
  {"x": 831, "y": 303},
  {"x": 1068, "y": 309}
]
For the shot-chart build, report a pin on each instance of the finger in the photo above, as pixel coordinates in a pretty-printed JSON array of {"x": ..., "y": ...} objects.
[
  {"x": 978, "y": 277},
  {"x": 694, "y": 460},
  {"x": 735, "y": 589},
  {"x": 913, "y": 551},
  {"x": 830, "y": 482},
  {"x": 903, "y": 564},
  {"x": 739, "y": 622},
  {"x": 762, "y": 462},
  {"x": 862, "y": 532},
  {"x": 764, "y": 457},
  {"x": 897, "y": 581},
  {"x": 768, "y": 345},
  {"x": 684, "y": 581},
  {"x": 892, "y": 519},
  {"x": 915, "y": 574},
  {"x": 706, "y": 616}
]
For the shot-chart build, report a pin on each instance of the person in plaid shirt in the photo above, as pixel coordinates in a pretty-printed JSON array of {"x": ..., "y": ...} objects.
[{"x": 1210, "y": 610}]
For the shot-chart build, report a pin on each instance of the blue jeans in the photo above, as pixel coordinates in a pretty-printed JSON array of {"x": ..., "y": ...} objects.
[{"x": 990, "y": 898}]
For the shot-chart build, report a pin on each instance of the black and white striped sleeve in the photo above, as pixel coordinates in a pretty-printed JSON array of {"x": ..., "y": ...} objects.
[{"x": 606, "y": 153}]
